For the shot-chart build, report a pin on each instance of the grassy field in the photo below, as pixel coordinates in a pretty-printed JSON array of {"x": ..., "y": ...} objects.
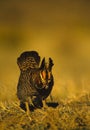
[
  {"x": 57, "y": 29},
  {"x": 70, "y": 114}
]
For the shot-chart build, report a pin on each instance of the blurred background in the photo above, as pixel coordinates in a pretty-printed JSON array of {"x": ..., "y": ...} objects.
[{"x": 59, "y": 29}]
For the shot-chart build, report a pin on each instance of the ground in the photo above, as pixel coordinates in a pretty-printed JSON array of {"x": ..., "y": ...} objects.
[{"x": 70, "y": 114}]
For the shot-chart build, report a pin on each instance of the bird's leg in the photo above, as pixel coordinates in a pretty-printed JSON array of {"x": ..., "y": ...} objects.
[
  {"x": 27, "y": 110},
  {"x": 45, "y": 101},
  {"x": 51, "y": 98},
  {"x": 44, "y": 104}
]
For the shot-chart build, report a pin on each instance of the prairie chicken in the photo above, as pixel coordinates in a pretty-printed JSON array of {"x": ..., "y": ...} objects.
[{"x": 35, "y": 82}]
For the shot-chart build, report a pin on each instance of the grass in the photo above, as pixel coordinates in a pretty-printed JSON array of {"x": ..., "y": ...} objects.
[{"x": 73, "y": 114}]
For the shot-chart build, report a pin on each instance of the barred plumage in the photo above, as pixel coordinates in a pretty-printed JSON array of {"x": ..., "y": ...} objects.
[
  {"x": 27, "y": 60},
  {"x": 35, "y": 82}
]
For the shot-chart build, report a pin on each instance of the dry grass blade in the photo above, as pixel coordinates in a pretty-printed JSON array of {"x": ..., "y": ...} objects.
[{"x": 74, "y": 114}]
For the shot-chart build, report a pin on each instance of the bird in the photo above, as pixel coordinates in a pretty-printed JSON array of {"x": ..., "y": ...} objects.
[{"x": 35, "y": 81}]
